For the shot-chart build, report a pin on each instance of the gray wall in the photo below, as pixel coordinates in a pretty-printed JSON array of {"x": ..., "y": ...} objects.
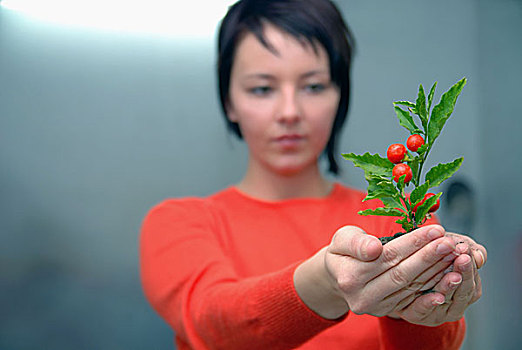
[{"x": 96, "y": 127}]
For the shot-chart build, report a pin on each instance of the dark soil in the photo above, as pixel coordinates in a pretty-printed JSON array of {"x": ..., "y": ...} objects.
[{"x": 385, "y": 240}]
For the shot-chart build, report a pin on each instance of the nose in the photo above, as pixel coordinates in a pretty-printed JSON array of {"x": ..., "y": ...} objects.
[{"x": 289, "y": 107}]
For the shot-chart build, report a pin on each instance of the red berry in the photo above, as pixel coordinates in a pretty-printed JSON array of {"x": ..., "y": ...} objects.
[
  {"x": 402, "y": 169},
  {"x": 433, "y": 208},
  {"x": 396, "y": 153},
  {"x": 414, "y": 142}
]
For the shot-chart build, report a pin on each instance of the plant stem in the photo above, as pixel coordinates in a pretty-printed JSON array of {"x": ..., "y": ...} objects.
[
  {"x": 421, "y": 164},
  {"x": 411, "y": 215}
]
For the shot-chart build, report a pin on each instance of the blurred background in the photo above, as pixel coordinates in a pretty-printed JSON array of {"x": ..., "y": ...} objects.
[{"x": 107, "y": 109}]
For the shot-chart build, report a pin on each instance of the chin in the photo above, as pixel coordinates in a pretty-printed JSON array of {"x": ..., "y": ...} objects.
[{"x": 293, "y": 168}]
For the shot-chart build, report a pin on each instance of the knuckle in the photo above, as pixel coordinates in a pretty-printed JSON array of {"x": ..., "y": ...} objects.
[
  {"x": 347, "y": 284},
  {"x": 390, "y": 255},
  {"x": 415, "y": 286},
  {"x": 360, "y": 307},
  {"x": 418, "y": 242},
  {"x": 463, "y": 297},
  {"x": 398, "y": 276}
]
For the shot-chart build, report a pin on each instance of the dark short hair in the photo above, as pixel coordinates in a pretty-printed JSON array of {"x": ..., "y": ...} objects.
[{"x": 311, "y": 20}]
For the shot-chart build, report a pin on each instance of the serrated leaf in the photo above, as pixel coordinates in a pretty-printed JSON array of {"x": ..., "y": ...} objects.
[
  {"x": 424, "y": 208},
  {"x": 441, "y": 172},
  {"x": 392, "y": 202},
  {"x": 420, "y": 106},
  {"x": 430, "y": 96},
  {"x": 379, "y": 187},
  {"x": 405, "y": 103},
  {"x": 406, "y": 120},
  {"x": 442, "y": 111},
  {"x": 400, "y": 183},
  {"x": 382, "y": 212},
  {"x": 418, "y": 193},
  {"x": 372, "y": 164},
  {"x": 383, "y": 189}
]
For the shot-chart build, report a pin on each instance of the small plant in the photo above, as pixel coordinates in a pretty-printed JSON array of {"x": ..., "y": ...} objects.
[{"x": 388, "y": 177}]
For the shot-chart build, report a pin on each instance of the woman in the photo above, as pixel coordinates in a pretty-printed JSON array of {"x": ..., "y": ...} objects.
[{"x": 281, "y": 260}]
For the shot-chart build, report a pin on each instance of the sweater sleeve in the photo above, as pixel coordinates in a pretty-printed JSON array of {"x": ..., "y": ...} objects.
[
  {"x": 190, "y": 282},
  {"x": 400, "y": 335}
]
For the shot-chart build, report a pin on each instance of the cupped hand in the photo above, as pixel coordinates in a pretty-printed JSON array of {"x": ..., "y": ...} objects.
[
  {"x": 379, "y": 280},
  {"x": 451, "y": 296},
  {"x": 477, "y": 251}
]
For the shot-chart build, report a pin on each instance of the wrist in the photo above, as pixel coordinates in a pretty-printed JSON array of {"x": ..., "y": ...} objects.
[{"x": 314, "y": 286}]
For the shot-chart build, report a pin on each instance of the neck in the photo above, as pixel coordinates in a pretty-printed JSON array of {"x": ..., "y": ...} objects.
[{"x": 267, "y": 185}]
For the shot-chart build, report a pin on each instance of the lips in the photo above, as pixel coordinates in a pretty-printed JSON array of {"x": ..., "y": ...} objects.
[
  {"x": 290, "y": 137},
  {"x": 289, "y": 141}
]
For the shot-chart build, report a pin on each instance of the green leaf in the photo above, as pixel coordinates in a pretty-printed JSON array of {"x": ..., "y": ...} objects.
[
  {"x": 407, "y": 226},
  {"x": 392, "y": 202},
  {"x": 420, "y": 106},
  {"x": 441, "y": 172},
  {"x": 406, "y": 120},
  {"x": 372, "y": 164},
  {"x": 379, "y": 187},
  {"x": 414, "y": 165},
  {"x": 424, "y": 208},
  {"x": 442, "y": 111},
  {"x": 381, "y": 212},
  {"x": 400, "y": 183},
  {"x": 383, "y": 189},
  {"x": 418, "y": 193},
  {"x": 430, "y": 96},
  {"x": 422, "y": 149},
  {"x": 405, "y": 103}
]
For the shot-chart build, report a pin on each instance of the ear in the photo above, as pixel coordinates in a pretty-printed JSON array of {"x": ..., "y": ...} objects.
[{"x": 231, "y": 114}]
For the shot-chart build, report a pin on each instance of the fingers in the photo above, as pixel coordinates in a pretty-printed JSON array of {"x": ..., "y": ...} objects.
[
  {"x": 448, "y": 285},
  {"x": 425, "y": 281},
  {"x": 354, "y": 242},
  {"x": 480, "y": 255},
  {"x": 467, "y": 292},
  {"x": 418, "y": 268},
  {"x": 425, "y": 310},
  {"x": 401, "y": 248},
  {"x": 450, "y": 297},
  {"x": 478, "y": 251}
]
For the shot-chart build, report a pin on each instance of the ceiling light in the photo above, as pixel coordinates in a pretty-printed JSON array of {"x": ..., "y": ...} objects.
[{"x": 193, "y": 18}]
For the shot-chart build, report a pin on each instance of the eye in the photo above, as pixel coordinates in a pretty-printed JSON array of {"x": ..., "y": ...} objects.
[
  {"x": 260, "y": 90},
  {"x": 315, "y": 88}
]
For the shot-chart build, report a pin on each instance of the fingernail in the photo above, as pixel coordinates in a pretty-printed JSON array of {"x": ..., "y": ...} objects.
[
  {"x": 443, "y": 249},
  {"x": 483, "y": 259},
  {"x": 435, "y": 233},
  {"x": 454, "y": 284},
  {"x": 437, "y": 302},
  {"x": 466, "y": 266}
]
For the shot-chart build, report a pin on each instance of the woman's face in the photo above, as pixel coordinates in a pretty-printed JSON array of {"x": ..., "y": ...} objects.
[{"x": 283, "y": 101}]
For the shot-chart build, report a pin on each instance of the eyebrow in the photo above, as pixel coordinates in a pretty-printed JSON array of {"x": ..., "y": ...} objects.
[{"x": 271, "y": 77}]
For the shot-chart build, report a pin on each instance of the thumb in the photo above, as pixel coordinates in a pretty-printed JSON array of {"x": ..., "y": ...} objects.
[{"x": 353, "y": 241}]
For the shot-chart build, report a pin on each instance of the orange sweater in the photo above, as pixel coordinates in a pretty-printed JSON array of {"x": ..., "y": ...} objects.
[{"x": 220, "y": 270}]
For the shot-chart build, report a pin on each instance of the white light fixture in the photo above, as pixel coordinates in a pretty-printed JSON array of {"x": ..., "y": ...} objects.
[{"x": 190, "y": 18}]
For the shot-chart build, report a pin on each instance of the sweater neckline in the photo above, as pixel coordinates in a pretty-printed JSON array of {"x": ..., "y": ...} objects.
[{"x": 336, "y": 188}]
